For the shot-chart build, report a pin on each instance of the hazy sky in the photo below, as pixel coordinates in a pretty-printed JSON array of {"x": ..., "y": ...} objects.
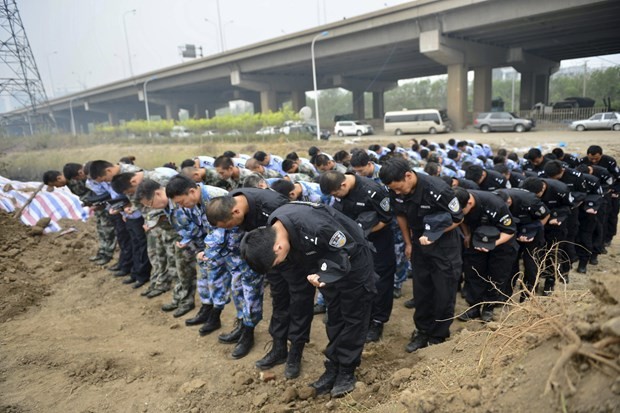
[{"x": 81, "y": 43}]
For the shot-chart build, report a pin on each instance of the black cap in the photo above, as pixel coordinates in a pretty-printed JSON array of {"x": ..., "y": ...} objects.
[
  {"x": 435, "y": 224},
  {"x": 485, "y": 237},
  {"x": 529, "y": 230}
]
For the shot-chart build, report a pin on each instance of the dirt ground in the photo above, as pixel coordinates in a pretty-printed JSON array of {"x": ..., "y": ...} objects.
[{"x": 75, "y": 339}]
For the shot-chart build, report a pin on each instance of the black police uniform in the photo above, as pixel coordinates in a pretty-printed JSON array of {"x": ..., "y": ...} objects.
[
  {"x": 528, "y": 166},
  {"x": 436, "y": 268},
  {"x": 494, "y": 180},
  {"x": 368, "y": 203},
  {"x": 487, "y": 273},
  {"x": 324, "y": 241},
  {"x": 570, "y": 160},
  {"x": 516, "y": 178},
  {"x": 607, "y": 182},
  {"x": 467, "y": 183},
  {"x": 527, "y": 210},
  {"x": 262, "y": 202},
  {"x": 559, "y": 200},
  {"x": 613, "y": 198}
]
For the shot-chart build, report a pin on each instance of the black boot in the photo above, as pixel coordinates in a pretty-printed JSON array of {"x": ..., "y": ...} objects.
[
  {"x": 277, "y": 355},
  {"x": 201, "y": 317},
  {"x": 345, "y": 381},
  {"x": 213, "y": 323},
  {"x": 582, "y": 268},
  {"x": 418, "y": 340},
  {"x": 245, "y": 343},
  {"x": 233, "y": 336},
  {"x": 293, "y": 361},
  {"x": 375, "y": 331},
  {"x": 325, "y": 383}
]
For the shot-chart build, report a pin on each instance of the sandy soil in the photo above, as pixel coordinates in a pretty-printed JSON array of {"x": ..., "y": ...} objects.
[{"x": 74, "y": 339}]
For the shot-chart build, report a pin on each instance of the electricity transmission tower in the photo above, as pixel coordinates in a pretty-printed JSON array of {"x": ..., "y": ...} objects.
[{"x": 19, "y": 76}]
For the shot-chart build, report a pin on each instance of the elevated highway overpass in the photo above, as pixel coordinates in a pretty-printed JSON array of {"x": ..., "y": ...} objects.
[{"x": 369, "y": 53}]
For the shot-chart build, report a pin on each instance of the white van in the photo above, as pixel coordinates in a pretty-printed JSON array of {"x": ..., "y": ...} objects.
[{"x": 416, "y": 121}]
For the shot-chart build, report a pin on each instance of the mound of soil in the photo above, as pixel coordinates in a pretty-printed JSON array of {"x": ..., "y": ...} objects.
[{"x": 75, "y": 339}]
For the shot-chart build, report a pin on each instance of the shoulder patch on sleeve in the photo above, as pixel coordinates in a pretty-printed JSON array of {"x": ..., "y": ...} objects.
[
  {"x": 338, "y": 240},
  {"x": 454, "y": 205},
  {"x": 324, "y": 266},
  {"x": 506, "y": 220},
  {"x": 385, "y": 204}
]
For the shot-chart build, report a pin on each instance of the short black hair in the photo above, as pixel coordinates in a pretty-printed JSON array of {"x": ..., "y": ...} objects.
[
  {"x": 432, "y": 168},
  {"x": 391, "y": 146},
  {"x": 292, "y": 156},
  {"x": 260, "y": 156},
  {"x": 129, "y": 160},
  {"x": 257, "y": 249},
  {"x": 146, "y": 189},
  {"x": 553, "y": 168},
  {"x": 223, "y": 162},
  {"x": 229, "y": 154},
  {"x": 330, "y": 181},
  {"x": 594, "y": 150},
  {"x": 187, "y": 162},
  {"x": 287, "y": 165},
  {"x": 451, "y": 141},
  {"x": 424, "y": 153},
  {"x": 501, "y": 168},
  {"x": 461, "y": 144},
  {"x": 394, "y": 170},
  {"x": 252, "y": 180},
  {"x": 179, "y": 185},
  {"x": 321, "y": 160},
  {"x": 341, "y": 156},
  {"x": 359, "y": 158},
  {"x": 220, "y": 209},
  {"x": 532, "y": 184},
  {"x": 533, "y": 153},
  {"x": 313, "y": 151},
  {"x": 283, "y": 186},
  {"x": 474, "y": 173},
  {"x": 453, "y": 154},
  {"x": 374, "y": 147},
  {"x": 71, "y": 170},
  {"x": 558, "y": 152},
  {"x": 50, "y": 176},
  {"x": 122, "y": 182},
  {"x": 462, "y": 195},
  {"x": 97, "y": 168}
]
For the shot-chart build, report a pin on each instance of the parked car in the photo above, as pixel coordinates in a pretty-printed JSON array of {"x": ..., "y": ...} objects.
[
  {"x": 268, "y": 130},
  {"x": 502, "y": 121},
  {"x": 606, "y": 120},
  {"x": 234, "y": 132},
  {"x": 352, "y": 127},
  {"x": 179, "y": 132}
]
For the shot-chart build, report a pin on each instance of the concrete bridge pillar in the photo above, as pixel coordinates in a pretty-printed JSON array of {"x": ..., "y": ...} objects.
[
  {"x": 298, "y": 99},
  {"x": 483, "y": 88},
  {"x": 268, "y": 101},
  {"x": 534, "y": 89},
  {"x": 113, "y": 118},
  {"x": 358, "y": 104},
  {"x": 378, "y": 105},
  {"x": 457, "y": 94},
  {"x": 172, "y": 110}
]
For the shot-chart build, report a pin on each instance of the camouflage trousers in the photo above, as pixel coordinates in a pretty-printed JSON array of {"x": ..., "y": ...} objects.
[
  {"x": 185, "y": 283},
  {"x": 214, "y": 282},
  {"x": 223, "y": 276},
  {"x": 403, "y": 265},
  {"x": 161, "y": 256},
  {"x": 105, "y": 233}
]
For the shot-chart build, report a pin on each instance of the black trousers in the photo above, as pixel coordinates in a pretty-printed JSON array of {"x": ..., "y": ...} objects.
[
  {"x": 585, "y": 237},
  {"x": 488, "y": 273},
  {"x": 612, "y": 217},
  {"x": 125, "y": 259},
  {"x": 436, "y": 269},
  {"x": 349, "y": 303},
  {"x": 572, "y": 234},
  {"x": 141, "y": 266},
  {"x": 292, "y": 303},
  {"x": 532, "y": 254},
  {"x": 385, "y": 266}
]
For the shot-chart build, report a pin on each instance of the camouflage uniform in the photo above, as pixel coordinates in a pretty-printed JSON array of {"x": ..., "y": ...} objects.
[
  {"x": 308, "y": 169},
  {"x": 168, "y": 264},
  {"x": 270, "y": 173},
  {"x": 238, "y": 183},
  {"x": 105, "y": 225}
]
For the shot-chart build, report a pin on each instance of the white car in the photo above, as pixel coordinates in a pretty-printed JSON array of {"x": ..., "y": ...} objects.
[
  {"x": 606, "y": 120},
  {"x": 352, "y": 127},
  {"x": 179, "y": 132}
]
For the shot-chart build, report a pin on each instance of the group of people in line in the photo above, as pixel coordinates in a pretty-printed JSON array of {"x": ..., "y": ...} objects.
[{"x": 342, "y": 233}]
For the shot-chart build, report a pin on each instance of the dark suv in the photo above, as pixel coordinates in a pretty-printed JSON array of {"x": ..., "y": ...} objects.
[{"x": 501, "y": 121}]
